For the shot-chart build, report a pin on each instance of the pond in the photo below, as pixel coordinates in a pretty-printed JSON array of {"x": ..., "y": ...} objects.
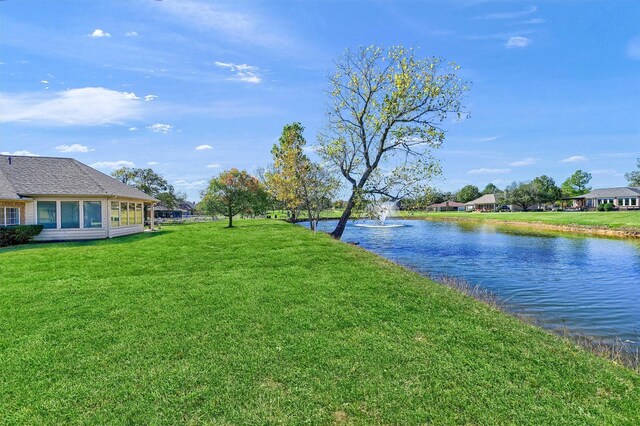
[{"x": 585, "y": 284}]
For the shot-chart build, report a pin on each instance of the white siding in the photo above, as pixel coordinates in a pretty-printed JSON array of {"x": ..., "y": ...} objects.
[
  {"x": 71, "y": 234},
  {"x": 125, "y": 230},
  {"x": 30, "y": 213}
]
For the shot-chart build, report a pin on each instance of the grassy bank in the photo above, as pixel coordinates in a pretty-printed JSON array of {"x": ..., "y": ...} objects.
[
  {"x": 270, "y": 323},
  {"x": 612, "y": 220}
]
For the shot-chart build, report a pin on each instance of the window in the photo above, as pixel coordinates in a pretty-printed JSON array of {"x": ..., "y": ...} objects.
[
  {"x": 124, "y": 214},
  {"x": 9, "y": 216},
  {"x": 92, "y": 211},
  {"x": 139, "y": 211},
  {"x": 12, "y": 216},
  {"x": 69, "y": 214},
  {"x": 132, "y": 213},
  {"x": 47, "y": 213},
  {"x": 627, "y": 201},
  {"x": 605, "y": 200},
  {"x": 115, "y": 214}
]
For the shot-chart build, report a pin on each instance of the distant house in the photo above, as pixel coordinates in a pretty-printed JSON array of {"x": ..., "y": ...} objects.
[
  {"x": 624, "y": 198},
  {"x": 71, "y": 200},
  {"x": 182, "y": 210},
  {"x": 486, "y": 203},
  {"x": 447, "y": 206}
]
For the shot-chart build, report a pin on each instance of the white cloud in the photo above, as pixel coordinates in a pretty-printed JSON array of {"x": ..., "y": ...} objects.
[
  {"x": 633, "y": 49},
  {"x": 203, "y": 147},
  {"x": 240, "y": 27},
  {"x": 112, "y": 165},
  {"x": 181, "y": 183},
  {"x": 131, "y": 34},
  {"x": 76, "y": 147},
  {"x": 88, "y": 106},
  {"x": 243, "y": 72},
  {"x": 484, "y": 171},
  {"x": 149, "y": 98},
  {"x": 98, "y": 33},
  {"x": 44, "y": 82},
  {"x": 535, "y": 21},
  {"x": 525, "y": 162},
  {"x": 488, "y": 139},
  {"x": 160, "y": 128},
  {"x": 518, "y": 41},
  {"x": 152, "y": 163},
  {"x": 214, "y": 166},
  {"x": 133, "y": 129},
  {"x": 21, "y": 152},
  {"x": 509, "y": 15},
  {"x": 574, "y": 159}
]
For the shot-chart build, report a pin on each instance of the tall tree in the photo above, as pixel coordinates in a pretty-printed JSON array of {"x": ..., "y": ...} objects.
[
  {"x": 523, "y": 195},
  {"x": 546, "y": 189},
  {"x": 490, "y": 189},
  {"x": 232, "y": 192},
  {"x": 286, "y": 178},
  {"x": 634, "y": 177},
  {"x": 385, "y": 115},
  {"x": 467, "y": 193},
  {"x": 576, "y": 184}
]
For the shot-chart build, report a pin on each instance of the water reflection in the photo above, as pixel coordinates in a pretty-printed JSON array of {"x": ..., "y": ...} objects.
[{"x": 586, "y": 284}]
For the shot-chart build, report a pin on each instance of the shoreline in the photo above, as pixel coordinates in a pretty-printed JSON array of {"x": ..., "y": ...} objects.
[{"x": 581, "y": 229}]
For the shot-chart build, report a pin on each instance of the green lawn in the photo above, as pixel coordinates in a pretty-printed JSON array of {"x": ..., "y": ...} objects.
[
  {"x": 270, "y": 323},
  {"x": 621, "y": 219}
]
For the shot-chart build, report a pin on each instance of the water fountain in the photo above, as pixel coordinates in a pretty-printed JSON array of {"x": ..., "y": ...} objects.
[{"x": 381, "y": 211}]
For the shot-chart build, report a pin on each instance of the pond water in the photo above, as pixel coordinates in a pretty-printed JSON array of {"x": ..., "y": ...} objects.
[{"x": 587, "y": 285}]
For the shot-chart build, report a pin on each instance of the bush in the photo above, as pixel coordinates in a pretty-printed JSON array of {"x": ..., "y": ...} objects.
[
  {"x": 13, "y": 235},
  {"x": 609, "y": 207}
]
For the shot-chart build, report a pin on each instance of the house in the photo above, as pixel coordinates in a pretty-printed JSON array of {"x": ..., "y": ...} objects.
[
  {"x": 71, "y": 200},
  {"x": 624, "y": 198},
  {"x": 486, "y": 203},
  {"x": 447, "y": 206},
  {"x": 181, "y": 211}
]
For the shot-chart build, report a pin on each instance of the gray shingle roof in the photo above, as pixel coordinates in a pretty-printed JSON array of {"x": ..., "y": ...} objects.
[
  {"x": 28, "y": 176},
  {"x": 485, "y": 199},
  {"x": 624, "y": 191}
]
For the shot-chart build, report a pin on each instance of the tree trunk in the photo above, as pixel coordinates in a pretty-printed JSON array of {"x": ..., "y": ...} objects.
[
  {"x": 346, "y": 214},
  {"x": 311, "y": 224},
  {"x": 230, "y": 218}
]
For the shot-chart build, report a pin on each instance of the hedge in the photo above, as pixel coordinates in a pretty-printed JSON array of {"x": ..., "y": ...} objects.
[{"x": 13, "y": 235}]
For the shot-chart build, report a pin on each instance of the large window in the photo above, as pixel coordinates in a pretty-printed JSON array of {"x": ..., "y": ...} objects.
[
  {"x": 69, "y": 214},
  {"x": 605, "y": 200},
  {"x": 139, "y": 210},
  {"x": 124, "y": 214},
  {"x": 115, "y": 214},
  {"x": 9, "y": 216},
  {"x": 47, "y": 214},
  {"x": 92, "y": 211},
  {"x": 627, "y": 201}
]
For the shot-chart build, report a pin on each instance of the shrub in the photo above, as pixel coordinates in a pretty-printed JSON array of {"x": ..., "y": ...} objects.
[{"x": 13, "y": 235}]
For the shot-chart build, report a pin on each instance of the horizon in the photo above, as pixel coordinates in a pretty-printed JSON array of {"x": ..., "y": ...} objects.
[{"x": 192, "y": 88}]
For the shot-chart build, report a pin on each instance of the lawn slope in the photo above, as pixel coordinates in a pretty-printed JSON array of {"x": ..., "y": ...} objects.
[{"x": 270, "y": 323}]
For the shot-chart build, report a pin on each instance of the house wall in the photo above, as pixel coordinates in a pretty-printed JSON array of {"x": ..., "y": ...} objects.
[
  {"x": 18, "y": 204},
  {"x": 106, "y": 231}
]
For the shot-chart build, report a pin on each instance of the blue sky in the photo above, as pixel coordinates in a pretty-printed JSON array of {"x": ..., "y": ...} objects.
[{"x": 192, "y": 87}]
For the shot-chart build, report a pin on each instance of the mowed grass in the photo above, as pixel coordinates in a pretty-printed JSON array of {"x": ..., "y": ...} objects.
[
  {"x": 269, "y": 323},
  {"x": 619, "y": 219}
]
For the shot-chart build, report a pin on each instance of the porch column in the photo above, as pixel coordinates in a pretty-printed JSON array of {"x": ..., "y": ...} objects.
[{"x": 153, "y": 214}]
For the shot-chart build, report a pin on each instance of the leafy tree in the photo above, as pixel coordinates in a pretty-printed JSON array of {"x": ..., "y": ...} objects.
[
  {"x": 467, "y": 193},
  {"x": 295, "y": 180},
  {"x": 634, "y": 177},
  {"x": 546, "y": 189},
  {"x": 233, "y": 192},
  {"x": 522, "y": 194},
  {"x": 490, "y": 189},
  {"x": 285, "y": 179},
  {"x": 385, "y": 115},
  {"x": 149, "y": 182},
  {"x": 576, "y": 184}
]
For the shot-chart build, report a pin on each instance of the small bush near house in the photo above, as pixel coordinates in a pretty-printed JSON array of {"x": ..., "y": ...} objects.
[
  {"x": 606, "y": 207},
  {"x": 21, "y": 234}
]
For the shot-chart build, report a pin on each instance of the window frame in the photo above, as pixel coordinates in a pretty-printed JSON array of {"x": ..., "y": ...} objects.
[{"x": 4, "y": 216}]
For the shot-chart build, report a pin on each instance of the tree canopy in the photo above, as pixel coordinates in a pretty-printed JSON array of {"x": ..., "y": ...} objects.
[
  {"x": 467, "y": 193},
  {"x": 490, "y": 189},
  {"x": 232, "y": 192},
  {"x": 149, "y": 182},
  {"x": 633, "y": 178},
  {"x": 546, "y": 190},
  {"x": 385, "y": 115},
  {"x": 576, "y": 184},
  {"x": 521, "y": 194}
]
